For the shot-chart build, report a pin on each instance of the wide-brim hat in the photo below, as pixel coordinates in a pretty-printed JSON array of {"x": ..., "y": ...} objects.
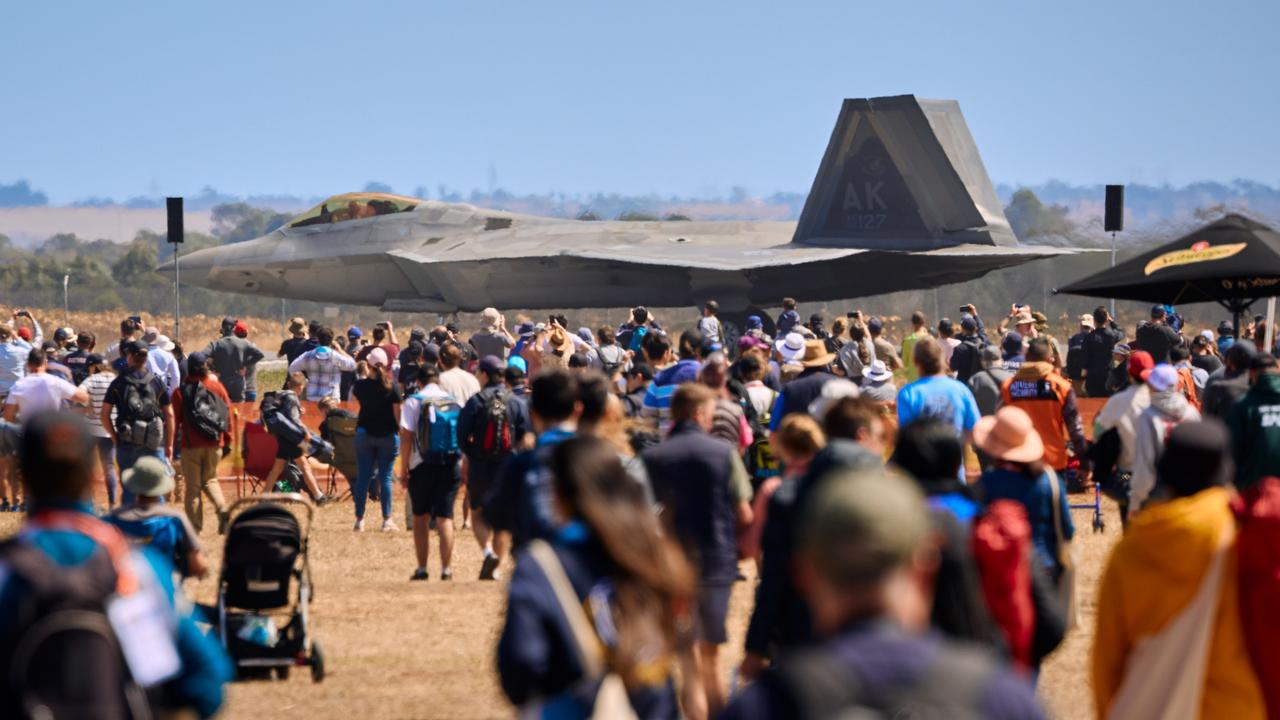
[
  {"x": 149, "y": 476},
  {"x": 559, "y": 338},
  {"x": 790, "y": 347},
  {"x": 164, "y": 343},
  {"x": 816, "y": 354},
  {"x": 878, "y": 372},
  {"x": 1022, "y": 318},
  {"x": 1009, "y": 435}
]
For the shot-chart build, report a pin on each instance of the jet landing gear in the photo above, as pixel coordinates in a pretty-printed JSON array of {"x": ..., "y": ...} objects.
[{"x": 734, "y": 324}]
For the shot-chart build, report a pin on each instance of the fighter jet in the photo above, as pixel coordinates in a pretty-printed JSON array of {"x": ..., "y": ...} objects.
[{"x": 901, "y": 201}]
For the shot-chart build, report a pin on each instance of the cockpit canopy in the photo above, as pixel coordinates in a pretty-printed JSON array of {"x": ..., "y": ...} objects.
[{"x": 354, "y": 206}]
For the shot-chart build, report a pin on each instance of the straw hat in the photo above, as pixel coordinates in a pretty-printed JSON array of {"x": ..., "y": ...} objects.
[
  {"x": 1009, "y": 435},
  {"x": 816, "y": 355}
]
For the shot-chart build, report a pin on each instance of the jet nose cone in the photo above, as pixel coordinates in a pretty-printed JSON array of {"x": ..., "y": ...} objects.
[{"x": 193, "y": 268}]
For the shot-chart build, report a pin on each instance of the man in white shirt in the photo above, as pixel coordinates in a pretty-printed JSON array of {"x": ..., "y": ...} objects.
[
  {"x": 39, "y": 391},
  {"x": 160, "y": 361},
  {"x": 433, "y": 482},
  {"x": 454, "y": 380}
]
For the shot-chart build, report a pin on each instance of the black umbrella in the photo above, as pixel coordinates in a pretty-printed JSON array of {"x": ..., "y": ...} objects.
[{"x": 1232, "y": 262}]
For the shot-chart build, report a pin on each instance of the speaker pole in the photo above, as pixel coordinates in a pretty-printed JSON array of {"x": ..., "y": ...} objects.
[
  {"x": 1113, "y": 222},
  {"x": 1113, "y": 264},
  {"x": 173, "y": 208}
]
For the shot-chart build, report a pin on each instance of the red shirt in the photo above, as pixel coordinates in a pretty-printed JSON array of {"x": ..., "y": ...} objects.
[{"x": 194, "y": 439}]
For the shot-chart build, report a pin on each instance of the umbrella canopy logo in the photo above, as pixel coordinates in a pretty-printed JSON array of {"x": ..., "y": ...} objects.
[{"x": 1199, "y": 252}]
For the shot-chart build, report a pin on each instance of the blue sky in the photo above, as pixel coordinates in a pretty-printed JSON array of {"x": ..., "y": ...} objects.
[{"x": 128, "y": 98}]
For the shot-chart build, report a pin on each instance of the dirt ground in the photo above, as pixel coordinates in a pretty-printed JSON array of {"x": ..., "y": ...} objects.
[{"x": 397, "y": 649}]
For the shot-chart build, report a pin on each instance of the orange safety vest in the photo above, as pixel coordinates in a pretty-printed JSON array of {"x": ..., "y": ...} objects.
[{"x": 1043, "y": 399}]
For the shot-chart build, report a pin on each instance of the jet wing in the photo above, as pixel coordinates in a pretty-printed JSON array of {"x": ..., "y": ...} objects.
[{"x": 653, "y": 269}]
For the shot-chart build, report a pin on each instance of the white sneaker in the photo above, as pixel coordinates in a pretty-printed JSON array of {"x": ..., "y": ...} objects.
[
  {"x": 388, "y": 526},
  {"x": 359, "y": 525}
]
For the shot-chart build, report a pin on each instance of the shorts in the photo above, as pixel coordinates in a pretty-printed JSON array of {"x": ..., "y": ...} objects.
[
  {"x": 287, "y": 452},
  {"x": 481, "y": 475},
  {"x": 434, "y": 488},
  {"x": 713, "y": 607}
]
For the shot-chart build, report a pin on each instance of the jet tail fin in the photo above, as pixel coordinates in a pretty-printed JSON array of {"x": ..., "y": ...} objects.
[{"x": 902, "y": 174}]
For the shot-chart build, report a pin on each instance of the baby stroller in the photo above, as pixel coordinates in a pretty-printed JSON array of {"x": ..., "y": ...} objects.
[{"x": 266, "y": 549}]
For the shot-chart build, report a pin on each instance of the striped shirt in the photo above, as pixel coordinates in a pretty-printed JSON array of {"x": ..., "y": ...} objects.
[{"x": 96, "y": 385}]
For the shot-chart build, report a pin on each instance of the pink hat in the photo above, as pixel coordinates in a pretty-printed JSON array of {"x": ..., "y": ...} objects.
[{"x": 1009, "y": 435}]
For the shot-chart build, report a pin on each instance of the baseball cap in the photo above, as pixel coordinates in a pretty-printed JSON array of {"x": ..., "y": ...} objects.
[
  {"x": 240, "y": 329},
  {"x": 750, "y": 342},
  {"x": 754, "y": 322},
  {"x": 1121, "y": 349},
  {"x": 25, "y": 333},
  {"x": 876, "y": 324},
  {"x": 1140, "y": 364},
  {"x": 815, "y": 319},
  {"x": 861, "y": 526},
  {"x": 1162, "y": 377},
  {"x": 492, "y": 365},
  {"x": 196, "y": 359},
  {"x": 1226, "y": 328},
  {"x": 354, "y": 332},
  {"x": 1157, "y": 311},
  {"x": 431, "y": 353},
  {"x": 95, "y": 359},
  {"x": 1012, "y": 344},
  {"x": 416, "y": 334},
  {"x": 515, "y": 361},
  {"x": 377, "y": 356},
  {"x": 967, "y": 322},
  {"x": 133, "y": 347}
]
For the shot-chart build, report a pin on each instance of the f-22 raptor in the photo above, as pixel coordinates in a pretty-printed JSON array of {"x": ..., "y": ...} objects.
[{"x": 901, "y": 201}]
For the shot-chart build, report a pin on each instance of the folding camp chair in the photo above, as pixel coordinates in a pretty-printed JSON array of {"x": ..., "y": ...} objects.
[
  {"x": 259, "y": 453},
  {"x": 341, "y": 432}
]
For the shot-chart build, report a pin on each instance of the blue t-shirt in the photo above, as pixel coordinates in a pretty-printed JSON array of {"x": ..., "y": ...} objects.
[{"x": 941, "y": 398}]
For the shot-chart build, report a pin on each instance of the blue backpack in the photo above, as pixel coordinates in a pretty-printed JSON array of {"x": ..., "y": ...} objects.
[
  {"x": 161, "y": 532},
  {"x": 436, "y": 437},
  {"x": 637, "y": 338}
]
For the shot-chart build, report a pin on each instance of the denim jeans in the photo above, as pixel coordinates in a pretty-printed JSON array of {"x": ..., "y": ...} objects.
[
  {"x": 374, "y": 455},
  {"x": 107, "y": 456},
  {"x": 126, "y": 455}
]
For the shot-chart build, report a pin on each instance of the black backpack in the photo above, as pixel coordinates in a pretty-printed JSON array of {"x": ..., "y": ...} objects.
[
  {"x": 205, "y": 412},
  {"x": 492, "y": 438},
  {"x": 63, "y": 659},
  {"x": 971, "y": 358},
  {"x": 279, "y": 423},
  {"x": 140, "y": 402}
]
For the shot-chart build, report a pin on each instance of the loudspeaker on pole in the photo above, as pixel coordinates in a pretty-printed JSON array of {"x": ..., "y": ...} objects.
[
  {"x": 1113, "y": 221},
  {"x": 174, "y": 207}
]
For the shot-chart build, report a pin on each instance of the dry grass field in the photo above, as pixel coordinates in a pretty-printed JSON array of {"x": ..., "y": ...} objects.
[{"x": 397, "y": 649}]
